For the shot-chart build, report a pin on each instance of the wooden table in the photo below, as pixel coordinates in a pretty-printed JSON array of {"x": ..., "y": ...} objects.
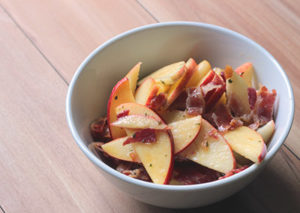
[{"x": 42, "y": 43}]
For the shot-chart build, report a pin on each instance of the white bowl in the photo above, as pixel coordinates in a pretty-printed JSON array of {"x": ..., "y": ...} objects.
[{"x": 157, "y": 45}]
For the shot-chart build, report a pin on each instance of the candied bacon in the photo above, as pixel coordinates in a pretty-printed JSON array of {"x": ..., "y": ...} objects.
[
  {"x": 188, "y": 172},
  {"x": 195, "y": 102},
  {"x": 99, "y": 130},
  {"x": 263, "y": 110},
  {"x": 144, "y": 136}
]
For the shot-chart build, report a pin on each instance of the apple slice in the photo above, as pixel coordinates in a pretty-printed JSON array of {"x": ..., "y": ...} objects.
[
  {"x": 146, "y": 91},
  {"x": 184, "y": 136},
  {"x": 200, "y": 71},
  {"x": 247, "y": 142},
  {"x": 246, "y": 71},
  {"x": 178, "y": 87},
  {"x": 116, "y": 149},
  {"x": 136, "y": 109},
  {"x": 236, "y": 92},
  {"x": 133, "y": 76},
  {"x": 168, "y": 74},
  {"x": 267, "y": 131},
  {"x": 140, "y": 122},
  {"x": 211, "y": 150},
  {"x": 173, "y": 116},
  {"x": 121, "y": 93},
  {"x": 157, "y": 157}
]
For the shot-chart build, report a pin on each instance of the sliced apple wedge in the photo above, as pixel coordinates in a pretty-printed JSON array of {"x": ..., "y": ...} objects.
[
  {"x": 192, "y": 65},
  {"x": 185, "y": 132},
  {"x": 246, "y": 71},
  {"x": 136, "y": 109},
  {"x": 140, "y": 122},
  {"x": 121, "y": 93},
  {"x": 236, "y": 92},
  {"x": 133, "y": 76},
  {"x": 211, "y": 150},
  {"x": 146, "y": 91},
  {"x": 267, "y": 131},
  {"x": 168, "y": 74},
  {"x": 200, "y": 71},
  {"x": 178, "y": 87},
  {"x": 116, "y": 149},
  {"x": 174, "y": 115},
  {"x": 247, "y": 142},
  {"x": 157, "y": 157}
]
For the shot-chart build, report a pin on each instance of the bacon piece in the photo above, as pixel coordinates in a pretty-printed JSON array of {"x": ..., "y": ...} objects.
[
  {"x": 133, "y": 170},
  {"x": 195, "y": 102},
  {"x": 99, "y": 130},
  {"x": 222, "y": 119},
  {"x": 212, "y": 91},
  {"x": 157, "y": 102},
  {"x": 123, "y": 114},
  {"x": 188, "y": 172},
  {"x": 180, "y": 102},
  {"x": 263, "y": 110},
  {"x": 144, "y": 136},
  {"x": 252, "y": 97}
]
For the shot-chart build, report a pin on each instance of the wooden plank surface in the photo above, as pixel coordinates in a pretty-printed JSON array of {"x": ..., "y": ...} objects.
[
  {"x": 67, "y": 31},
  {"x": 41, "y": 44}
]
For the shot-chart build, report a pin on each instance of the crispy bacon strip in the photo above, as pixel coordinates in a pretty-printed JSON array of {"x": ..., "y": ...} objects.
[
  {"x": 263, "y": 110},
  {"x": 187, "y": 172},
  {"x": 99, "y": 130},
  {"x": 222, "y": 119},
  {"x": 195, "y": 103}
]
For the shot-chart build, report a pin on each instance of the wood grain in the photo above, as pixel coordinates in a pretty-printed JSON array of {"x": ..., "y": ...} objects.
[
  {"x": 67, "y": 31},
  {"x": 41, "y": 44},
  {"x": 273, "y": 24}
]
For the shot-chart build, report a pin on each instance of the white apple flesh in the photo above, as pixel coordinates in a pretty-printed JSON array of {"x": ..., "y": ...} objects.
[
  {"x": 236, "y": 92},
  {"x": 116, "y": 149},
  {"x": 120, "y": 94},
  {"x": 267, "y": 131},
  {"x": 157, "y": 157},
  {"x": 146, "y": 91},
  {"x": 211, "y": 150},
  {"x": 168, "y": 74},
  {"x": 140, "y": 122},
  {"x": 247, "y": 142},
  {"x": 185, "y": 132}
]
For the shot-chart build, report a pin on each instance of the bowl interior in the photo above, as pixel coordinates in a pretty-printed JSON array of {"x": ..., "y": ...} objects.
[{"x": 159, "y": 45}]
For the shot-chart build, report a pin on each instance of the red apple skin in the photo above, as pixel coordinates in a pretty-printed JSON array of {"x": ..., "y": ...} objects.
[
  {"x": 188, "y": 144},
  {"x": 170, "y": 171},
  {"x": 208, "y": 78},
  {"x": 178, "y": 87},
  {"x": 244, "y": 67},
  {"x": 117, "y": 132},
  {"x": 263, "y": 153}
]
